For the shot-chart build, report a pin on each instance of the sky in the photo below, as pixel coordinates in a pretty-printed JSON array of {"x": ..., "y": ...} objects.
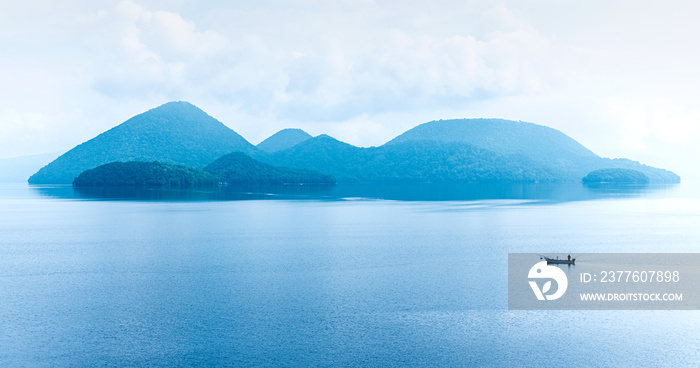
[{"x": 620, "y": 77}]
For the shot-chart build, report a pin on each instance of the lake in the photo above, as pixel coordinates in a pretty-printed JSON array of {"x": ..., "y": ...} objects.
[{"x": 357, "y": 275}]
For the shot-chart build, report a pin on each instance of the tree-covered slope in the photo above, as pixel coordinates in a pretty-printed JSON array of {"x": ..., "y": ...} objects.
[
  {"x": 655, "y": 175},
  {"x": 537, "y": 142},
  {"x": 285, "y": 138},
  {"x": 176, "y": 132},
  {"x": 239, "y": 168},
  {"x": 617, "y": 176},
  {"x": 144, "y": 174},
  {"x": 409, "y": 161},
  {"x": 549, "y": 149},
  {"x": 323, "y": 154},
  {"x": 462, "y": 150}
]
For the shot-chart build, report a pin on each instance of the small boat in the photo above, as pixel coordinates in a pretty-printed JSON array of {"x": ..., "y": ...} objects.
[{"x": 559, "y": 261}]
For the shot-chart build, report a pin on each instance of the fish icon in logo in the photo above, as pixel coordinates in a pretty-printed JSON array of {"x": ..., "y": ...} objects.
[{"x": 542, "y": 271}]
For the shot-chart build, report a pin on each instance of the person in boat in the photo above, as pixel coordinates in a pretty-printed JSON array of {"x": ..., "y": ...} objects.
[{"x": 569, "y": 256}]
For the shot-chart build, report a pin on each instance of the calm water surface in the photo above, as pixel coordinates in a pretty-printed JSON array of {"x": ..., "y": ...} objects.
[{"x": 326, "y": 277}]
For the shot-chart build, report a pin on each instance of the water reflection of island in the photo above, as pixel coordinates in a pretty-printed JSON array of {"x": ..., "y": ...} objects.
[
  {"x": 624, "y": 189},
  {"x": 536, "y": 192}
]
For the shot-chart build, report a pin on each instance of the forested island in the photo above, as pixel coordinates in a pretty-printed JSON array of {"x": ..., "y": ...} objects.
[
  {"x": 145, "y": 174},
  {"x": 239, "y": 168},
  {"x": 234, "y": 168},
  {"x": 458, "y": 150},
  {"x": 615, "y": 176}
]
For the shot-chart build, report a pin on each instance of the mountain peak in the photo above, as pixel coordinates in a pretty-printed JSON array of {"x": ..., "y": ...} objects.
[
  {"x": 176, "y": 132},
  {"x": 173, "y": 107},
  {"x": 285, "y": 138},
  {"x": 501, "y": 136},
  {"x": 174, "y": 112},
  {"x": 175, "y": 103}
]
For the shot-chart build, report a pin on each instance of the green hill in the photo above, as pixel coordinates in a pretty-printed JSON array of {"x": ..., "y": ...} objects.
[
  {"x": 421, "y": 161},
  {"x": 469, "y": 150},
  {"x": 144, "y": 174},
  {"x": 655, "y": 175},
  {"x": 238, "y": 168},
  {"x": 285, "y": 138},
  {"x": 540, "y": 143},
  {"x": 549, "y": 149},
  {"x": 176, "y": 132},
  {"x": 617, "y": 175},
  {"x": 324, "y": 154}
]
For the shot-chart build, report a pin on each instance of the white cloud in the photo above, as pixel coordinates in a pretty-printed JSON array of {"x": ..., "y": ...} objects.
[
  {"x": 335, "y": 77},
  {"x": 643, "y": 119},
  {"x": 401, "y": 70},
  {"x": 173, "y": 37},
  {"x": 142, "y": 52},
  {"x": 24, "y": 133}
]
